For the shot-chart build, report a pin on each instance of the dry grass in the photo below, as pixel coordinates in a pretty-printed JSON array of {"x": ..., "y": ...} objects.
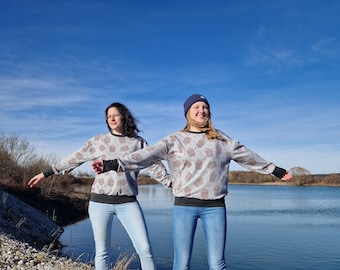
[{"x": 123, "y": 262}]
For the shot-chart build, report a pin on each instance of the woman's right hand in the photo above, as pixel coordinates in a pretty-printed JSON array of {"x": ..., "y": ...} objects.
[{"x": 36, "y": 180}]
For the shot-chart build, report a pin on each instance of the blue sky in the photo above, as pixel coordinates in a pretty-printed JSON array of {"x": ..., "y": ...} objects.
[{"x": 270, "y": 70}]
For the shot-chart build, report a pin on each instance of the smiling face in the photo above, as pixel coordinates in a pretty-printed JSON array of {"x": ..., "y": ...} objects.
[
  {"x": 199, "y": 112},
  {"x": 115, "y": 121}
]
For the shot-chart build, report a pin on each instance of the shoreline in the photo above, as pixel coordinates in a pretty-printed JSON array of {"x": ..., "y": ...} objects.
[{"x": 28, "y": 238}]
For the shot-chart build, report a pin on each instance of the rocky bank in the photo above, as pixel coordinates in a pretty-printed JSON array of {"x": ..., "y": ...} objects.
[{"x": 29, "y": 238}]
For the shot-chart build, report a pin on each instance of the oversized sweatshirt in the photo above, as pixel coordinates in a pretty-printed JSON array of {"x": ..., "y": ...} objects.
[
  {"x": 111, "y": 184},
  {"x": 198, "y": 166}
]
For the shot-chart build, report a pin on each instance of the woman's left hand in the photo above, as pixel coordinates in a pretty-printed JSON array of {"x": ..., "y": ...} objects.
[{"x": 286, "y": 177}]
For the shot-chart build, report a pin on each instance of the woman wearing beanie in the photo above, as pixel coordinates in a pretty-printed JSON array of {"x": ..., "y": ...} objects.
[
  {"x": 198, "y": 158},
  {"x": 112, "y": 193}
]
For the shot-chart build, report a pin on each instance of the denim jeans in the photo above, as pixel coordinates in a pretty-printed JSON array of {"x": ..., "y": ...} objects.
[
  {"x": 214, "y": 223},
  {"x": 131, "y": 216}
]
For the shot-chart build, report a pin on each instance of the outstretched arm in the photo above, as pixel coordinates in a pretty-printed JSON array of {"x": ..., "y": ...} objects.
[
  {"x": 39, "y": 177},
  {"x": 36, "y": 180},
  {"x": 134, "y": 161},
  {"x": 252, "y": 161}
]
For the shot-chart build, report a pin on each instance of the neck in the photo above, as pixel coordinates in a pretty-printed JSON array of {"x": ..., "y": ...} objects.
[
  {"x": 115, "y": 132},
  {"x": 194, "y": 129}
]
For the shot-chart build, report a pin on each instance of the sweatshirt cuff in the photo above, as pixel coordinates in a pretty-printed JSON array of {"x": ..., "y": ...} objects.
[
  {"x": 48, "y": 172},
  {"x": 279, "y": 172},
  {"x": 109, "y": 165}
]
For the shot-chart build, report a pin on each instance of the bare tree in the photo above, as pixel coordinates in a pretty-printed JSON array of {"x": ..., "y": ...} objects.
[
  {"x": 301, "y": 176},
  {"x": 18, "y": 149},
  {"x": 15, "y": 154}
]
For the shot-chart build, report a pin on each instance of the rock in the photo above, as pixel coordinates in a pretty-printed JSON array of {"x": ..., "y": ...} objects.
[{"x": 28, "y": 238}]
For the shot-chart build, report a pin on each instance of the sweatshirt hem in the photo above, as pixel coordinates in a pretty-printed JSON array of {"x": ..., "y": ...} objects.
[
  {"x": 112, "y": 199},
  {"x": 182, "y": 201}
]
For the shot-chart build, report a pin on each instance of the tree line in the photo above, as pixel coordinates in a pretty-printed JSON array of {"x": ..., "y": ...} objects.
[{"x": 19, "y": 162}]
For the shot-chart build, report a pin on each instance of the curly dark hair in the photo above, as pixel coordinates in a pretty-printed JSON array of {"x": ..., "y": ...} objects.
[{"x": 130, "y": 128}]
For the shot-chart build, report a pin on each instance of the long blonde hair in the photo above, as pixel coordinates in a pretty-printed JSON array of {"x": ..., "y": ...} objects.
[{"x": 206, "y": 127}]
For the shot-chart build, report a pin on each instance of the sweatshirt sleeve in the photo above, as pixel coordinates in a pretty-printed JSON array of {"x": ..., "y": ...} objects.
[
  {"x": 252, "y": 161},
  {"x": 143, "y": 158},
  {"x": 74, "y": 160},
  {"x": 158, "y": 172}
]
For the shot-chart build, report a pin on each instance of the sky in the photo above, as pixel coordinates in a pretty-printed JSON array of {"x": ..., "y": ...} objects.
[{"x": 269, "y": 69}]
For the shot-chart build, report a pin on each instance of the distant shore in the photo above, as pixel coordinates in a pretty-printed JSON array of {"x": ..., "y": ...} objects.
[{"x": 282, "y": 183}]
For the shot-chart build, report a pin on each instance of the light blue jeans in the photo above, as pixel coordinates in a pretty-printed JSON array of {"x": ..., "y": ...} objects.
[
  {"x": 214, "y": 223},
  {"x": 131, "y": 216}
]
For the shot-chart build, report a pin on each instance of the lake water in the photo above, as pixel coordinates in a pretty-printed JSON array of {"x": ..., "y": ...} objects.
[{"x": 269, "y": 228}]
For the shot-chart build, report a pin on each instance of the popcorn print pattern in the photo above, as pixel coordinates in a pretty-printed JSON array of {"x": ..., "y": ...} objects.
[
  {"x": 191, "y": 152},
  {"x": 209, "y": 152},
  {"x": 108, "y": 146},
  {"x": 208, "y": 178},
  {"x": 205, "y": 194},
  {"x": 198, "y": 165}
]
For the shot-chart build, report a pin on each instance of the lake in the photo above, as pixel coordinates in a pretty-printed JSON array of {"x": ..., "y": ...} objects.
[{"x": 269, "y": 227}]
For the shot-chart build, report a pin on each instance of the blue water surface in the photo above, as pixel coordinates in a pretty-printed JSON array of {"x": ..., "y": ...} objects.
[{"x": 269, "y": 227}]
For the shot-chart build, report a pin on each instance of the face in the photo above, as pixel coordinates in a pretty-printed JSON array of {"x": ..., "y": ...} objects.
[
  {"x": 115, "y": 121},
  {"x": 199, "y": 111}
]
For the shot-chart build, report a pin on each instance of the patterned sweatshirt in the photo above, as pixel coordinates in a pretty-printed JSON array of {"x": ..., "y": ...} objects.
[
  {"x": 111, "y": 184},
  {"x": 198, "y": 166}
]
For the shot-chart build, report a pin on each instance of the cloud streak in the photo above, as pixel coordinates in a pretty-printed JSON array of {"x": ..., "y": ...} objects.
[{"x": 270, "y": 72}]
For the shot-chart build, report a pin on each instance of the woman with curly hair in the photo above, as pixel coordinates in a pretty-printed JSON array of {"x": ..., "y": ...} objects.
[{"x": 112, "y": 193}]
